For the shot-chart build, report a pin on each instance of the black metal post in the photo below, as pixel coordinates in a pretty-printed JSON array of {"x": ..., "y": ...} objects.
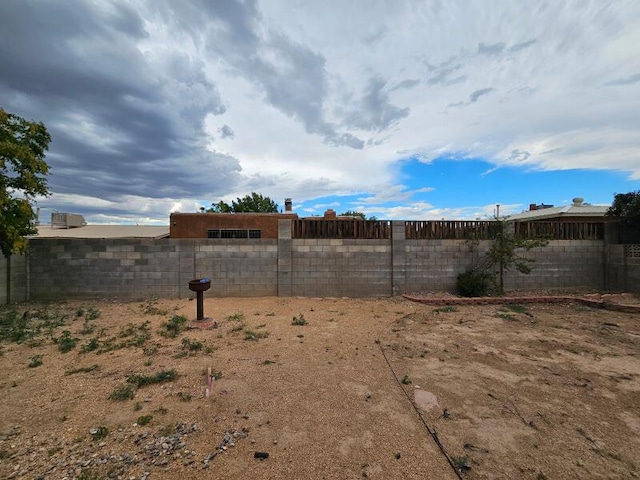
[{"x": 200, "y": 308}]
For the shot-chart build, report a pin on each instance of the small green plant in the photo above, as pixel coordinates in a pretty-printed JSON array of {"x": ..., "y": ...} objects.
[
  {"x": 98, "y": 433},
  {"x": 35, "y": 361},
  {"x": 173, "y": 326},
  {"x": 150, "y": 308},
  {"x": 92, "y": 313},
  {"x": 192, "y": 345},
  {"x": 185, "y": 397},
  {"x": 238, "y": 328},
  {"x": 144, "y": 419},
  {"x": 299, "y": 320},
  {"x": 446, "y": 309},
  {"x": 82, "y": 369},
  {"x": 161, "y": 377},
  {"x": 87, "y": 328},
  {"x": 89, "y": 474},
  {"x": 90, "y": 346},
  {"x": 236, "y": 317},
  {"x": 123, "y": 392},
  {"x": 405, "y": 380},
  {"x": 66, "y": 342},
  {"x": 515, "y": 307},
  {"x": 506, "y": 316},
  {"x": 461, "y": 463},
  {"x": 254, "y": 336},
  {"x": 79, "y": 312},
  {"x": 474, "y": 283},
  {"x": 268, "y": 362}
]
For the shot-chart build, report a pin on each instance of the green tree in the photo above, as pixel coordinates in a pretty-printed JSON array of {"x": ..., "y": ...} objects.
[
  {"x": 23, "y": 173},
  {"x": 254, "y": 202},
  {"x": 626, "y": 206},
  {"x": 506, "y": 252},
  {"x": 355, "y": 213}
]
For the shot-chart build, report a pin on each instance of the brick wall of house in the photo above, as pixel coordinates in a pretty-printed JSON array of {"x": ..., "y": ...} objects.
[{"x": 195, "y": 225}]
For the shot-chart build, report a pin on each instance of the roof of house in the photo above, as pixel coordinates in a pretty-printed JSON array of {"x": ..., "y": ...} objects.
[
  {"x": 103, "y": 231},
  {"x": 583, "y": 210}
]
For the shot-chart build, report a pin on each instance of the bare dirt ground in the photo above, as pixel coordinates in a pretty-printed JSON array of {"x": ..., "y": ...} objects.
[{"x": 359, "y": 390}]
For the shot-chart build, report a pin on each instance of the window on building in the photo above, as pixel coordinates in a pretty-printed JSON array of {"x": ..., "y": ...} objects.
[{"x": 233, "y": 233}]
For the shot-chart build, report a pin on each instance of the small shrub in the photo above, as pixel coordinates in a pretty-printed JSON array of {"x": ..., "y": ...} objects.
[
  {"x": 268, "y": 362},
  {"x": 160, "y": 377},
  {"x": 474, "y": 283},
  {"x": 79, "y": 312},
  {"x": 98, "y": 433},
  {"x": 192, "y": 345},
  {"x": 144, "y": 419},
  {"x": 92, "y": 313},
  {"x": 253, "y": 336},
  {"x": 173, "y": 327},
  {"x": 66, "y": 343},
  {"x": 92, "y": 345},
  {"x": 405, "y": 380},
  {"x": 299, "y": 320},
  {"x": 236, "y": 317},
  {"x": 515, "y": 307},
  {"x": 446, "y": 309},
  {"x": 150, "y": 308},
  {"x": 123, "y": 392},
  {"x": 87, "y": 328},
  {"x": 35, "y": 361}
]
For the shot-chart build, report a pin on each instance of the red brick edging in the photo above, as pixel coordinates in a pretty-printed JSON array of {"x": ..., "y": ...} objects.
[{"x": 534, "y": 299}]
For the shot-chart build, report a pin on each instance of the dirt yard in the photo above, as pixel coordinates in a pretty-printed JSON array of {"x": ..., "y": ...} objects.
[{"x": 328, "y": 388}]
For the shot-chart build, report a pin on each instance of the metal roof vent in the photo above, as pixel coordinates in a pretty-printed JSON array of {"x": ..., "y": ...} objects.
[{"x": 577, "y": 202}]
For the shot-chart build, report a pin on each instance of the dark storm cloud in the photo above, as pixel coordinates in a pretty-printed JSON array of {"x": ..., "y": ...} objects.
[
  {"x": 291, "y": 76},
  {"x": 122, "y": 122},
  {"x": 374, "y": 112}
]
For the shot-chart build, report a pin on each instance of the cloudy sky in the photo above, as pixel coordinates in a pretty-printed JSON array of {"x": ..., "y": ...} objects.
[{"x": 403, "y": 110}]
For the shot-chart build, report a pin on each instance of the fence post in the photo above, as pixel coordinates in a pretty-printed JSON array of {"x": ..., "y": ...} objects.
[
  {"x": 285, "y": 247},
  {"x": 398, "y": 257}
]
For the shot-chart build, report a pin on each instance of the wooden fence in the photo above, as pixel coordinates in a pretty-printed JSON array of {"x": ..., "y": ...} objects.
[
  {"x": 445, "y": 229},
  {"x": 561, "y": 230},
  {"x": 450, "y": 229},
  {"x": 363, "y": 229}
]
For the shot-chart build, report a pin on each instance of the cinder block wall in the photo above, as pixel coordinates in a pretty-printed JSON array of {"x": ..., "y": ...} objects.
[
  {"x": 143, "y": 268},
  {"x": 562, "y": 264},
  {"x": 336, "y": 268},
  {"x": 140, "y": 268},
  {"x": 434, "y": 265},
  {"x": 18, "y": 279},
  {"x": 622, "y": 268}
]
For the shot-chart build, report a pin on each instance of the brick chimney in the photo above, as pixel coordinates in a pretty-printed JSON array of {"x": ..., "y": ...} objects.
[
  {"x": 288, "y": 205},
  {"x": 532, "y": 207},
  {"x": 330, "y": 214}
]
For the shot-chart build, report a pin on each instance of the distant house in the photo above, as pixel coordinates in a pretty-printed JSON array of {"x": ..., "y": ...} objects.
[
  {"x": 578, "y": 211},
  {"x": 239, "y": 225}
]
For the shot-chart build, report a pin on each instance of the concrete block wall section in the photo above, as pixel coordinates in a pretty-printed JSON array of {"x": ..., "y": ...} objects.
[
  {"x": 143, "y": 268},
  {"x": 562, "y": 264},
  {"x": 336, "y": 268},
  {"x": 18, "y": 280}
]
